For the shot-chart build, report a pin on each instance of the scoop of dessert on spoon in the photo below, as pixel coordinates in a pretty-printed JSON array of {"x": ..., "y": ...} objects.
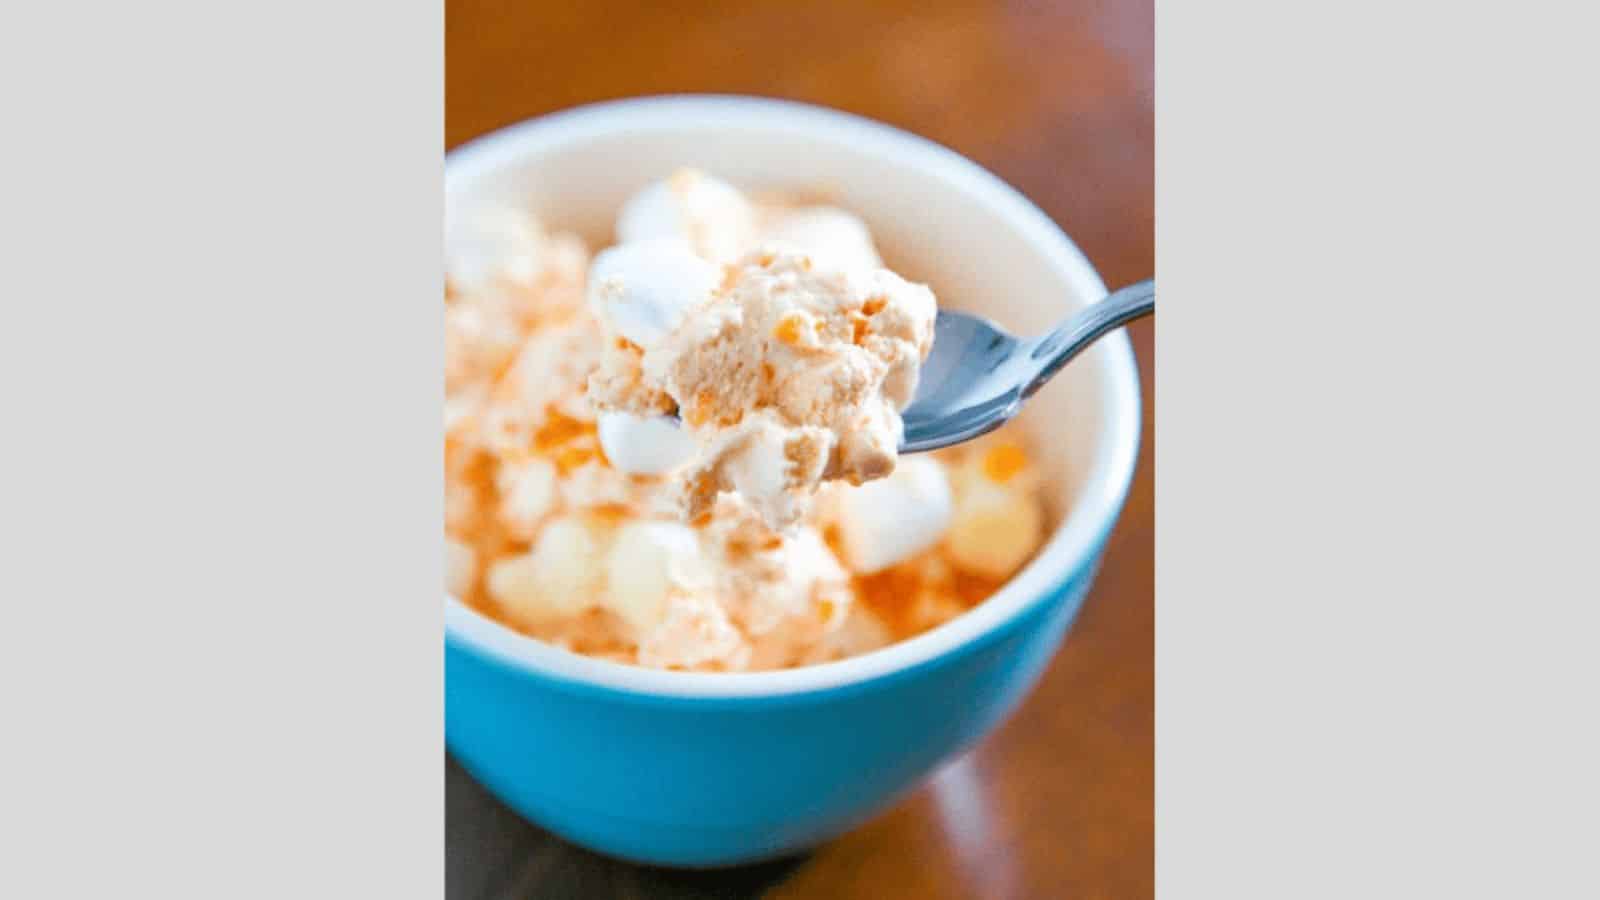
[{"x": 977, "y": 375}]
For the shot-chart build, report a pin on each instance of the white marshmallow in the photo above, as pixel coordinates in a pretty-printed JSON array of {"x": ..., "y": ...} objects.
[
  {"x": 461, "y": 505},
  {"x": 560, "y": 578},
  {"x": 641, "y": 445},
  {"x": 760, "y": 468},
  {"x": 527, "y": 495},
  {"x": 460, "y": 567},
  {"x": 808, "y": 564},
  {"x": 754, "y": 464},
  {"x": 513, "y": 583},
  {"x": 461, "y": 411},
  {"x": 890, "y": 520},
  {"x": 834, "y": 239},
  {"x": 647, "y": 561},
  {"x": 995, "y": 527},
  {"x": 642, "y": 290},
  {"x": 490, "y": 246},
  {"x": 709, "y": 213}
]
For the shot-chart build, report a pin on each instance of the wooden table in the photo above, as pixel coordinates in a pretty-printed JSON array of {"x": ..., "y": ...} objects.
[{"x": 1056, "y": 98}]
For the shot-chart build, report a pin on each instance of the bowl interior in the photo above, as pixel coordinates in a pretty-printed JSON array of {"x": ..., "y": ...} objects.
[{"x": 937, "y": 218}]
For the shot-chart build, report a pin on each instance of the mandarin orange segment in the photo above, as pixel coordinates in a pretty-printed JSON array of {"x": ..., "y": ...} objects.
[
  {"x": 861, "y": 326},
  {"x": 790, "y": 328},
  {"x": 570, "y": 458},
  {"x": 560, "y": 428},
  {"x": 1002, "y": 463}
]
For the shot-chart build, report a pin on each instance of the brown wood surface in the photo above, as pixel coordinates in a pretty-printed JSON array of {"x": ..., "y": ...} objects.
[{"x": 1056, "y": 98}]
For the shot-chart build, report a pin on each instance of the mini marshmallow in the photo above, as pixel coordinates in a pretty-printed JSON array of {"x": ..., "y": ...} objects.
[
  {"x": 811, "y": 571},
  {"x": 832, "y": 238},
  {"x": 764, "y": 461},
  {"x": 513, "y": 583},
  {"x": 647, "y": 562},
  {"x": 461, "y": 411},
  {"x": 890, "y": 520},
  {"x": 559, "y": 578},
  {"x": 995, "y": 527},
  {"x": 527, "y": 495},
  {"x": 642, "y": 289},
  {"x": 501, "y": 244},
  {"x": 760, "y": 468},
  {"x": 708, "y": 213},
  {"x": 460, "y": 567},
  {"x": 641, "y": 445},
  {"x": 461, "y": 505}
]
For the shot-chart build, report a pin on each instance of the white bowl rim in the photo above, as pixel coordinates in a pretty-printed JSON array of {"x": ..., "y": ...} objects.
[{"x": 1070, "y": 547}]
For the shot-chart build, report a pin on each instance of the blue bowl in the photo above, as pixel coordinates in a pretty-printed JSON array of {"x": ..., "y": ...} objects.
[{"x": 708, "y": 769}]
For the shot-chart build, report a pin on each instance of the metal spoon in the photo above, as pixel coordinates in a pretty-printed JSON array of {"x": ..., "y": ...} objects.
[{"x": 977, "y": 375}]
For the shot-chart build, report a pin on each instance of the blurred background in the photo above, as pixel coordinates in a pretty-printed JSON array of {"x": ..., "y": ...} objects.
[{"x": 1056, "y": 98}]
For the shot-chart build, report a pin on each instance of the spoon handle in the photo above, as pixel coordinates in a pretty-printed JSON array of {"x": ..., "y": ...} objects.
[{"x": 1054, "y": 350}]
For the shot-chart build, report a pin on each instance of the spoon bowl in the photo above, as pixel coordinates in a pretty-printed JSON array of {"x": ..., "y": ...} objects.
[
  {"x": 978, "y": 375},
  {"x": 965, "y": 388}
]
